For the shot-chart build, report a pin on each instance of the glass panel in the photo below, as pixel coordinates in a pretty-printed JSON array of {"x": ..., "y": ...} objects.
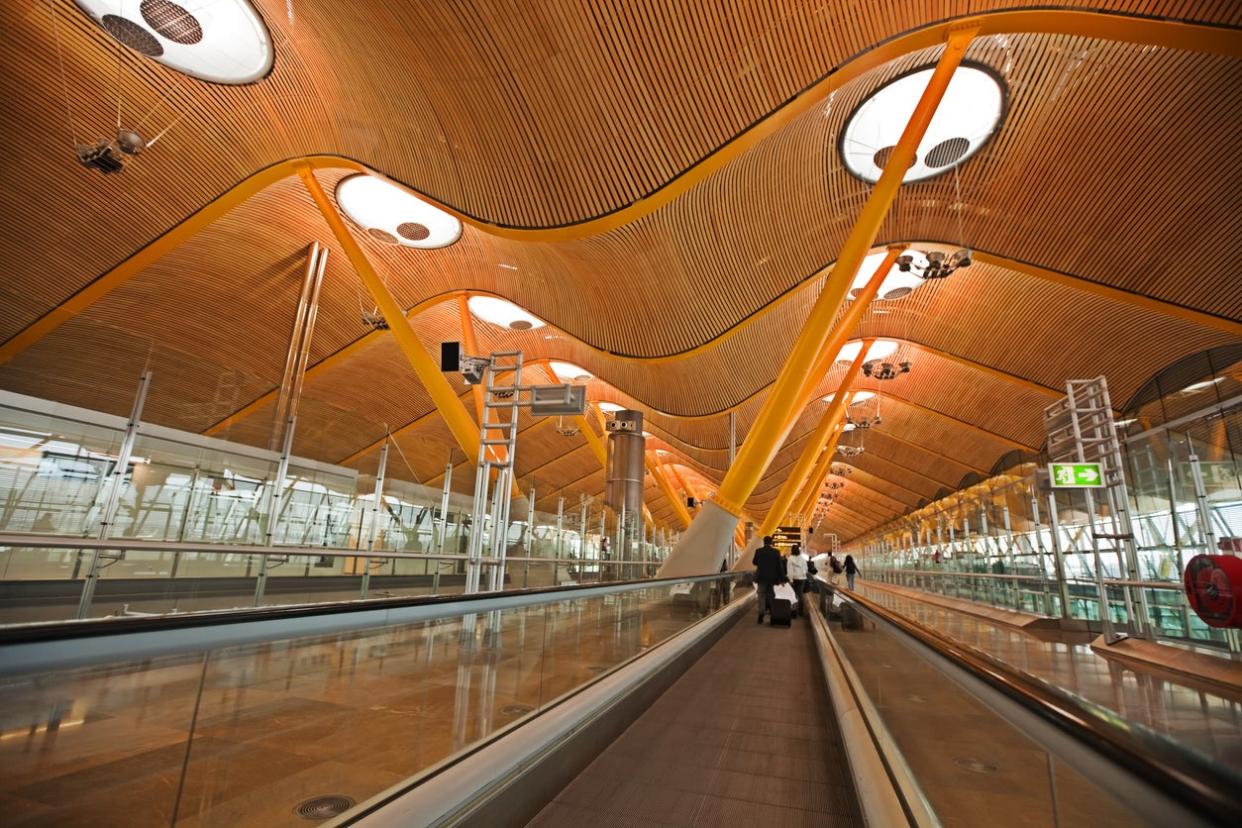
[{"x": 243, "y": 735}]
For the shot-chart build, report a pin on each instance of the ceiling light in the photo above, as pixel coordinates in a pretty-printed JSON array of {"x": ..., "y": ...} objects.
[
  {"x": 1124, "y": 423},
  {"x": 847, "y": 427},
  {"x": 879, "y": 349},
  {"x": 1199, "y": 386},
  {"x": 610, "y": 407},
  {"x": 224, "y": 41},
  {"x": 900, "y": 281},
  {"x": 859, "y": 396},
  {"x": 502, "y": 312},
  {"x": 393, "y": 215},
  {"x": 568, "y": 372},
  {"x": 966, "y": 117}
]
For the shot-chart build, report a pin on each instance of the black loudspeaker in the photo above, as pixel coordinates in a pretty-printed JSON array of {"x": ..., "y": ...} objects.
[{"x": 450, "y": 356}]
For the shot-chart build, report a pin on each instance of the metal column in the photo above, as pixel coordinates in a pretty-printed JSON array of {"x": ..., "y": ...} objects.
[
  {"x": 275, "y": 503},
  {"x": 373, "y": 530},
  {"x": 110, "y": 494}
]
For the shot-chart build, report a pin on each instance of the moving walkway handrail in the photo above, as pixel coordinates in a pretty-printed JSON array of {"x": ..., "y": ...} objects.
[
  {"x": 1197, "y": 784},
  {"x": 57, "y": 644}
]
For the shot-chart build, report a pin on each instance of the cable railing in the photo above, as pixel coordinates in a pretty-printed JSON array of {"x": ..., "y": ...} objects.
[{"x": 137, "y": 577}]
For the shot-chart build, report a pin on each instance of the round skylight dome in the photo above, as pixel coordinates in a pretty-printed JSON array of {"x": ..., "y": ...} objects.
[
  {"x": 879, "y": 349},
  {"x": 610, "y": 407},
  {"x": 568, "y": 372},
  {"x": 502, "y": 312},
  {"x": 897, "y": 283},
  {"x": 393, "y": 215},
  {"x": 222, "y": 41},
  {"x": 967, "y": 116}
]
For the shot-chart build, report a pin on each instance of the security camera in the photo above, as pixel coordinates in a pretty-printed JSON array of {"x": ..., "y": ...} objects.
[{"x": 472, "y": 369}]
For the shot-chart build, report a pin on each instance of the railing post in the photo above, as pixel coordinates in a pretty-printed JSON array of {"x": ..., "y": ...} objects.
[
  {"x": 275, "y": 503},
  {"x": 444, "y": 505},
  {"x": 111, "y": 494},
  {"x": 373, "y": 529}
]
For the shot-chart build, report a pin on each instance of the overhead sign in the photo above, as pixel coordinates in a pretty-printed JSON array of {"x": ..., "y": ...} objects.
[{"x": 1076, "y": 475}]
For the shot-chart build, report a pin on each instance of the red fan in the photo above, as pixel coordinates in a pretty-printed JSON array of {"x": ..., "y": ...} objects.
[{"x": 1213, "y": 583}]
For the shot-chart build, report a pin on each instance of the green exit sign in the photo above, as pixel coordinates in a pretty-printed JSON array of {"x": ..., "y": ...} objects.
[{"x": 1076, "y": 475}]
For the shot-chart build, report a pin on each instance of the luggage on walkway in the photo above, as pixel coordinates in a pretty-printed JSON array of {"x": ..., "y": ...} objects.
[{"x": 782, "y": 612}]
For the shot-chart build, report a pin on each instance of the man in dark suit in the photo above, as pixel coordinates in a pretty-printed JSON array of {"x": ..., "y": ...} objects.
[{"x": 769, "y": 571}]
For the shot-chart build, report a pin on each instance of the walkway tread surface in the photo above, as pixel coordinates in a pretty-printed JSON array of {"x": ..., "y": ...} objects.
[{"x": 746, "y": 737}]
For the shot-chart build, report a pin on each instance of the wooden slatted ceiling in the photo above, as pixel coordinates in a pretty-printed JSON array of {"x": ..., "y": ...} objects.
[
  {"x": 520, "y": 114},
  {"x": 770, "y": 219},
  {"x": 709, "y": 244}
]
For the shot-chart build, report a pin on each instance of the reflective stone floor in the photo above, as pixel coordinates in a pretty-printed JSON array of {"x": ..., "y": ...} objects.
[
  {"x": 1200, "y": 719},
  {"x": 241, "y": 737}
]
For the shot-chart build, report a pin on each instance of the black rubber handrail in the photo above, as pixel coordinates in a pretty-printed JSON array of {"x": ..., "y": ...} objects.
[
  {"x": 1198, "y": 784},
  {"x": 90, "y": 628}
]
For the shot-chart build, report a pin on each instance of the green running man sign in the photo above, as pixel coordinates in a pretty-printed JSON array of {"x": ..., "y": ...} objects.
[{"x": 1076, "y": 475}]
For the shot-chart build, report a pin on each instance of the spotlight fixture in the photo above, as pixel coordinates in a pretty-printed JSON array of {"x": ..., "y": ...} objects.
[
  {"x": 101, "y": 156},
  {"x": 942, "y": 265},
  {"x": 375, "y": 319},
  {"x": 841, "y": 470},
  {"x": 849, "y": 451},
  {"x": 885, "y": 370}
]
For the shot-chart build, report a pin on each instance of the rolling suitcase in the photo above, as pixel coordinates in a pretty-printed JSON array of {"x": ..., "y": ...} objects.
[{"x": 782, "y": 612}]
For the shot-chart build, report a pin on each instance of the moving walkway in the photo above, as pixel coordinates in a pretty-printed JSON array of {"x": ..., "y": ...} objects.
[{"x": 644, "y": 702}]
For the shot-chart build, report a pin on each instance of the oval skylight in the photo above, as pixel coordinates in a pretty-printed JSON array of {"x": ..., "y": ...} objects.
[
  {"x": 223, "y": 41},
  {"x": 879, "y": 349},
  {"x": 393, "y": 215},
  {"x": 496, "y": 311},
  {"x": 568, "y": 372},
  {"x": 610, "y": 407},
  {"x": 898, "y": 282},
  {"x": 859, "y": 396},
  {"x": 966, "y": 118}
]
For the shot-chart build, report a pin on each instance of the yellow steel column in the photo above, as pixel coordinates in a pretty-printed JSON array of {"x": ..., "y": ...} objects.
[
  {"x": 822, "y": 467},
  {"x": 455, "y": 415},
  {"x": 769, "y": 429},
  {"x": 814, "y": 444},
  {"x": 679, "y": 505},
  {"x": 471, "y": 348}
]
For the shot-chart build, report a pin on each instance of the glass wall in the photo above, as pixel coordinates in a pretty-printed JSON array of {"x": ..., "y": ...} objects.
[
  {"x": 209, "y": 496},
  {"x": 1010, "y": 543}
]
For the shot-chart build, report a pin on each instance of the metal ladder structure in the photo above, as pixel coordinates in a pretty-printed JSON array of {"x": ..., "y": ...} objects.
[
  {"x": 489, "y": 526},
  {"x": 1081, "y": 429}
]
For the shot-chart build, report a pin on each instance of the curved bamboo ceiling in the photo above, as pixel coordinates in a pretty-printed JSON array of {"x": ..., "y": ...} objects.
[{"x": 691, "y": 158}]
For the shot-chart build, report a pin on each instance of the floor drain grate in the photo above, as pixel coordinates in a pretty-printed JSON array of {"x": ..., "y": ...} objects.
[
  {"x": 974, "y": 765},
  {"x": 324, "y": 807},
  {"x": 516, "y": 709}
]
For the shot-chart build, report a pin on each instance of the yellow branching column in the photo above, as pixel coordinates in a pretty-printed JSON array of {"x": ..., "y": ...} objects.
[
  {"x": 702, "y": 547},
  {"x": 815, "y": 445},
  {"x": 806, "y": 503},
  {"x": 455, "y": 415}
]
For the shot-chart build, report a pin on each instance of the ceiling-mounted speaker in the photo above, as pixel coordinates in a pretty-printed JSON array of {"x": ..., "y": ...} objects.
[{"x": 450, "y": 356}]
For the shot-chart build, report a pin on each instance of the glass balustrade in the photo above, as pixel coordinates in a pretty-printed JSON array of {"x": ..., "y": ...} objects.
[{"x": 208, "y": 497}]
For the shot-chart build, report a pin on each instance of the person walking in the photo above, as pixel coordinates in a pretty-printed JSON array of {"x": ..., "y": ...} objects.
[
  {"x": 834, "y": 569},
  {"x": 769, "y": 571},
  {"x": 797, "y": 575},
  {"x": 851, "y": 569}
]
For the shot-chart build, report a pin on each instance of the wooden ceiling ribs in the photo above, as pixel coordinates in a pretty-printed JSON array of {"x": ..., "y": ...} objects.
[{"x": 663, "y": 194}]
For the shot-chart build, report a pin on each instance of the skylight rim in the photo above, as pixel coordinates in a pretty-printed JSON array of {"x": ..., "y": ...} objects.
[
  {"x": 262, "y": 29},
  {"x": 1001, "y": 113}
]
